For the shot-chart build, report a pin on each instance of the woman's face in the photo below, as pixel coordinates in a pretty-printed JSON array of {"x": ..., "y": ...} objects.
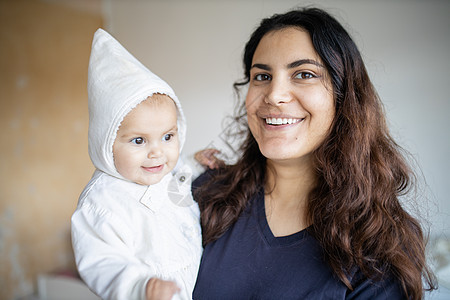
[{"x": 290, "y": 105}]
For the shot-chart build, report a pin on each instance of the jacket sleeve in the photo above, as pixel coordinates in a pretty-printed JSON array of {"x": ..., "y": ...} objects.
[{"x": 101, "y": 244}]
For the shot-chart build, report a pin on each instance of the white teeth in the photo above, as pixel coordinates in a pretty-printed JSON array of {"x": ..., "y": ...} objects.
[{"x": 281, "y": 121}]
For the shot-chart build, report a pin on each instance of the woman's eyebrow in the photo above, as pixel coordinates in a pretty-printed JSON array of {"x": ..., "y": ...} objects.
[
  {"x": 303, "y": 62},
  {"x": 290, "y": 65},
  {"x": 261, "y": 66}
]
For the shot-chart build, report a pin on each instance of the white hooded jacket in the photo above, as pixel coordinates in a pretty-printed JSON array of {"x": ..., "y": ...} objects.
[{"x": 124, "y": 233}]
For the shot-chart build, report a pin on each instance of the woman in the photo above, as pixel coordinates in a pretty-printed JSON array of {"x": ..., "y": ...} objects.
[{"x": 311, "y": 210}]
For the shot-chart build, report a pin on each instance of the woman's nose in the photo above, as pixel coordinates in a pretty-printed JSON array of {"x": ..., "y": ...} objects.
[{"x": 279, "y": 92}]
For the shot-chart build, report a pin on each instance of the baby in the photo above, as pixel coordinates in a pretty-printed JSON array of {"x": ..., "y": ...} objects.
[{"x": 136, "y": 231}]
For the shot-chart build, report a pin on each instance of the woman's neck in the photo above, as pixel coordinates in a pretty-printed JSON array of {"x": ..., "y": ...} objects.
[
  {"x": 290, "y": 181},
  {"x": 287, "y": 189}
]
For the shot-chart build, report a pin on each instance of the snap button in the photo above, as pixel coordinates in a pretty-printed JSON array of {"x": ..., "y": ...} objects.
[{"x": 182, "y": 178}]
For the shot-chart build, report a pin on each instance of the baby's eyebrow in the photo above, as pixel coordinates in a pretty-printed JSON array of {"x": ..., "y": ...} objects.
[
  {"x": 171, "y": 129},
  {"x": 128, "y": 135}
]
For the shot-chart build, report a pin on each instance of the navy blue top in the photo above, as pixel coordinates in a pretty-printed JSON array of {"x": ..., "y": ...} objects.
[{"x": 249, "y": 262}]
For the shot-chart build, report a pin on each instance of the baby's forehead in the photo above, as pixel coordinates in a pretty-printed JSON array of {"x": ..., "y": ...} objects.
[
  {"x": 157, "y": 109},
  {"x": 158, "y": 101},
  {"x": 158, "y": 98},
  {"x": 156, "y": 112}
]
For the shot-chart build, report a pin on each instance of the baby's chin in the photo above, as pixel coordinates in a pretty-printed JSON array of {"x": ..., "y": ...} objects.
[{"x": 151, "y": 179}]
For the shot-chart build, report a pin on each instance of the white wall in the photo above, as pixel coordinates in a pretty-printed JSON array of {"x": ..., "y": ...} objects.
[{"x": 196, "y": 46}]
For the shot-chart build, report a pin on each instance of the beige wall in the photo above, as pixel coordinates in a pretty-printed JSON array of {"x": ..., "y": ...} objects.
[{"x": 44, "y": 52}]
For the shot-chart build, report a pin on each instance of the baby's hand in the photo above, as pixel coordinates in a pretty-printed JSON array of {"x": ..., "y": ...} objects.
[
  {"x": 207, "y": 158},
  {"x": 160, "y": 289}
]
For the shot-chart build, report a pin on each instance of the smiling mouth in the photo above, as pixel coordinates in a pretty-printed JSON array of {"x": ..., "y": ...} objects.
[
  {"x": 153, "y": 169},
  {"x": 282, "y": 121}
]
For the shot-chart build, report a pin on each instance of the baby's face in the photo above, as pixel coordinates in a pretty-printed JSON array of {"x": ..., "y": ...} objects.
[{"x": 147, "y": 146}]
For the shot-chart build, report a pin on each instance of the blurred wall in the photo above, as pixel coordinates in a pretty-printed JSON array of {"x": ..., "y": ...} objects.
[
  {"x": 197, "y": 45},
  {"x": 44, "y": 52}
]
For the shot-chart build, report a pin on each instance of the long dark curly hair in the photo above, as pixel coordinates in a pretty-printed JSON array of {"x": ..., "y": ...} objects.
[{"x": 354, "y": 209}]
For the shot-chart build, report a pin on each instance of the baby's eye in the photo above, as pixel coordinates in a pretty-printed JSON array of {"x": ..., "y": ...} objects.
[
  {"x": 167, "y": 137},
  {"x": 304, "y": 75},
  {"x": 138, "y": 141},
  {"x": 262, "y": 77}
]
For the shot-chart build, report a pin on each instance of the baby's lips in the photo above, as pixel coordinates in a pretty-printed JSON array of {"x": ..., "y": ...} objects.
[{"x": 154, "y": 169}]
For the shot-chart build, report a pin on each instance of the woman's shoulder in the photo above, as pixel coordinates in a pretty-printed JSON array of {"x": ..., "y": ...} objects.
[
  {"x": 204, "y": 178},
  {"x": 387, "y": 287}
]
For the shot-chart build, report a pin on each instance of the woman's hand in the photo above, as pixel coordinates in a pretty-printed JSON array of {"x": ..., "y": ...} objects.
[
  {"x": 158, "y": 289},
  {"x": 207, "y": 158}
]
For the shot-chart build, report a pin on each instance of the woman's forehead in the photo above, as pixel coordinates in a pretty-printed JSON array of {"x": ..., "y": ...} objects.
[{"x": 288, "y": 44}]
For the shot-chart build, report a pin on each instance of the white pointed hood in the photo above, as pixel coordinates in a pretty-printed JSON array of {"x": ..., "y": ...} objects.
[{"x": 118, "y": 82}]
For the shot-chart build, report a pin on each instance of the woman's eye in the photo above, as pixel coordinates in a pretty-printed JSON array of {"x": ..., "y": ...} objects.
[
  {"x": 138, "y": 141},
  {"x": 167, "y": 137},
  {"x": 262, "y": 77},
  {"x": 305, "y": 75}
]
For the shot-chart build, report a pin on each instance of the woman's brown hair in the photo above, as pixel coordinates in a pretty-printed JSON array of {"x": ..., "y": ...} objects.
[{"x": 355, "y": 208}]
